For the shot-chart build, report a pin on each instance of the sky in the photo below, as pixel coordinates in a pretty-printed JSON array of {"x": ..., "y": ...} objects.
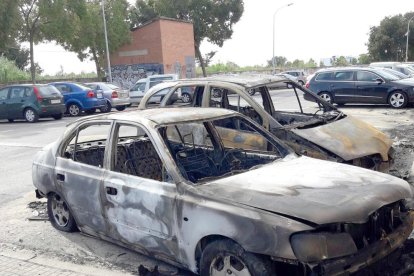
[{"x": 307, "y": 29}]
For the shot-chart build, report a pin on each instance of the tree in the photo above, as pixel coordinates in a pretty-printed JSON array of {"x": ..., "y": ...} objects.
[
  {"x": 84, "y": 32},
  {"x": 9, "y": 23},
  {"x": 212, "y": 20},
  {"x": 387, "y": 42},
  {"x": 298, "y": 63},
  {"x": 311, "y": 64},
  {"x": 208, "y": 58},
  {"x": 17, "y": 54},
  {"x": 364, "y": 59},
  {"x": 340, "y": 61},
  {"x": 279, "y": 62}
]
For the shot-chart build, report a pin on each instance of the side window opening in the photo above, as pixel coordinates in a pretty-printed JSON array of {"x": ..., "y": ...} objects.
[
  {"x": 136, "y": 155},
  {"x": 88, "y": 144},
  {"x": 17, "y": 92}
]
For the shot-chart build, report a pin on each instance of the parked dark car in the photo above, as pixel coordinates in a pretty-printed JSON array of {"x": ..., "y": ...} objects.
[
  {"x": 361, "y": 85},
  {"x": 30, "y": 102},
  {"x": 80, "y": 98}
]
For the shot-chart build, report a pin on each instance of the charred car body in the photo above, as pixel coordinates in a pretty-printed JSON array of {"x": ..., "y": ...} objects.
[
  {"x": 330, "y": 135},
  {"x": 170, "y": 184}
]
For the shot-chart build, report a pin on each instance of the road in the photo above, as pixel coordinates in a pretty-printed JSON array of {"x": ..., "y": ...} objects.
[{"x": 19, "y": 142}]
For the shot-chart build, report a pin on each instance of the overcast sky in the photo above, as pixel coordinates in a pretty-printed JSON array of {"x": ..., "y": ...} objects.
[{"x": 307, "y": 29}]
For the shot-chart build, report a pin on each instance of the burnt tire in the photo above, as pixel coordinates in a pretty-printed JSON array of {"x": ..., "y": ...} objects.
[
  {"x": 227, "y": 257},
  {"x": 57, "y": 116},
  {"x": 326, "y": 96},
  {"x": 120, "y": 108},
  {"x": 59, "y": 214},
  {"x": 74, "y": 110},
  {"x": 398, "y": 99},
  {"x": 30, "y": 115}
]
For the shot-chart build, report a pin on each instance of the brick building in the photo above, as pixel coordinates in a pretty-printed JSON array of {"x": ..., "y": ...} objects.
[{"x": 160, "y": 46}]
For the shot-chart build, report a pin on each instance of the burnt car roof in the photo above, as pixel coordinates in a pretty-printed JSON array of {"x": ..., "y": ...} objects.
[
  {"x": 245, "y": 80},
  {"x": 162, "y": 116}
]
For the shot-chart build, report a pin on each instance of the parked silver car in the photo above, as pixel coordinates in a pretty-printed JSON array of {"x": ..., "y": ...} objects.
[
  {"x": 213, "y": 192},
  {"x": 297, "y": 75},
  {"x": 115, "y": 96}
]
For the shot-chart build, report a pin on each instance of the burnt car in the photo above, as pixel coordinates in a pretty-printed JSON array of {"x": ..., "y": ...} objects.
[
  {"x": 322, "y": 132},
  {"x": 170, "y": 183}
]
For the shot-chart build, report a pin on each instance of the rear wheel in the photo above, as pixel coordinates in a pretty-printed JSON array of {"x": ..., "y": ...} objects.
[
  {"x": 326, "y": 97},
  {"x": 74, "y": 110},
  {"x": 120, "y": 108},
  {"x": 301, "y": 82},
  {"x": 59, "y": 213},
  {"x": 397, "y": 99},
  {"x": 225, "y": 257},
  {"x": 57, "y": 116},
  {"x": 30, "y": 115},
  {"x": 106, "y": 108},
  {"x": 186, "y": 98}
]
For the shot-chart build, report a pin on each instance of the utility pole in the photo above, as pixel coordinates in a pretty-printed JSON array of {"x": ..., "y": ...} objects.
[
  {"x": 108, "y": 62},
  {"x": 408, "y": 34}
]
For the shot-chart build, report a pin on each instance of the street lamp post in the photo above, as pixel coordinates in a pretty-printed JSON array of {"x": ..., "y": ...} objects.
[
  {"x": 274, "y": 15},
  {"x": 108, "y": 62},
  {"x": 408, "y": 34}
]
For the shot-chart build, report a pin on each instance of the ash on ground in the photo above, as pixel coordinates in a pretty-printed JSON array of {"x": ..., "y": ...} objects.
[{"x": 39, "y": 210}]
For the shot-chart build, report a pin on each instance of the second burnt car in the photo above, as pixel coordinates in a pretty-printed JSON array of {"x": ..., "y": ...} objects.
[
  {"x": 170, "y": 184},
  {"x": 324, "y": 132}
]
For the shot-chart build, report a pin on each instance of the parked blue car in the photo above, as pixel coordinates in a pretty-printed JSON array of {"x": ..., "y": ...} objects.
[{"x": 80, "y": 98}]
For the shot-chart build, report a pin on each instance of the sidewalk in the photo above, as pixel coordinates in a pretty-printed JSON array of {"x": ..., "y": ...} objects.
[{"x": 16, "y": 267}]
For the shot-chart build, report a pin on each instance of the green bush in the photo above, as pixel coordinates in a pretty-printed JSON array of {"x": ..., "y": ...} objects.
[{"x": 10, "y": 72}]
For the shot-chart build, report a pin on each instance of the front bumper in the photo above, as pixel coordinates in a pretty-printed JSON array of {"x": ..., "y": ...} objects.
[{"x": 368, "y": 255}]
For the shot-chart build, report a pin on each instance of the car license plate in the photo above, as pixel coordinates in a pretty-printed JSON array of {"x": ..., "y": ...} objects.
[
  {"x": 54, "y": 101},
  {"x": 99, "y": 95}
]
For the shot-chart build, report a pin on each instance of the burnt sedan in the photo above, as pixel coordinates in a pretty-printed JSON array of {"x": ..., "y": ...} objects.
[
  {"x": 322, "y": 132},
  {"x": 211, "y": 191}
]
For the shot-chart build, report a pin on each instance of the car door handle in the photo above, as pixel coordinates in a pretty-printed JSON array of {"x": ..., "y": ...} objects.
[
  {"x": 60, "y": 177},
  {"x": 111, "y": 191}
]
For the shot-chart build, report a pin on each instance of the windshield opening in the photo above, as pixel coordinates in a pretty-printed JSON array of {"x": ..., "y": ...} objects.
[{"x": 208, "y": 150}]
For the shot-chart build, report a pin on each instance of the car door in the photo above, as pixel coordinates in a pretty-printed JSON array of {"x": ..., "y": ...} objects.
[
  {"x": 139, "y": 200},
  {"x": 15, "y": 102},
  {"x": 79, "y": 173},
  {"x": 342, "y": 87},
  {"x": 371, "y": 87},
  {"x": 3, "y": 102}
]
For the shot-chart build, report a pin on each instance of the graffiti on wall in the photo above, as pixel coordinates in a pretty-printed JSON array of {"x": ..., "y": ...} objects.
[{"x": 126, "y": 76}]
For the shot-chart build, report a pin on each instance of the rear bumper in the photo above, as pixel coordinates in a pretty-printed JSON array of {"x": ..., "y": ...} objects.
[
  {"x": 370, "y": 254},
  {"x": 49, "y": 110},
  {"x": 120, "y": 102}
]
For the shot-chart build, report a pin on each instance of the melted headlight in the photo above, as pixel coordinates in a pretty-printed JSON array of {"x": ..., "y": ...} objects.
[{"x": 314, "y": 247}]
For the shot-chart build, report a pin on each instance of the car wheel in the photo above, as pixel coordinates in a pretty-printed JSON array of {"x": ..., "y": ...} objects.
[
  {"x": 106, "y": 108},
  {"x": 59, "y": 213},
  {"x": 289, "y": 86},
  {"x": 90, "y": 111},
  {"x": 186, "y": 98},
  {"x": 30, "y": 115},
  {"x": 10, "y": 120},
  {"x": 57, "y": 116},
  {"x": 120, "y": 108},
  {"x": 74, "y": 110},
  {"x": 225, "y": 257},
  {"x": 397, "y": 99},
  {"x": 301, "y": 83},
  {"x": 251, "y": 92},
  {"x": 326, "y": 97}
]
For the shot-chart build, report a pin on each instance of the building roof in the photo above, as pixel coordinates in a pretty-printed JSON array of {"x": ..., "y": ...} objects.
[{"x": 158, "y": 19}]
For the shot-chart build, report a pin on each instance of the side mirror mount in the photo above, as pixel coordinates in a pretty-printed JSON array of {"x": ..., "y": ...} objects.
[{"x": 379, "y": 81}]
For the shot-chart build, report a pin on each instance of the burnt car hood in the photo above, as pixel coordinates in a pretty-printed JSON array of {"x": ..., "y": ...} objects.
[
  {"x": 314, "y": 190},
  {"x": 349, "y": 138}
]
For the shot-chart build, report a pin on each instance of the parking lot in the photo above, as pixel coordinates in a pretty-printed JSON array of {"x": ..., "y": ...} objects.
[{"x": 25, "y": 234}]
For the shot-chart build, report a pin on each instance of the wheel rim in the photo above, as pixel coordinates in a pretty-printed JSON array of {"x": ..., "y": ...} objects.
[
  {"x": 60, "y": 211},
  {"x": 73, "y": 110},
  {"x": 30, "y": 115},
  {"x": 397, "y": 99},
  {"x": 228, "y": 265},
  {"x": 326, "y": 97},
  {"x": 186, "y": 98}
]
